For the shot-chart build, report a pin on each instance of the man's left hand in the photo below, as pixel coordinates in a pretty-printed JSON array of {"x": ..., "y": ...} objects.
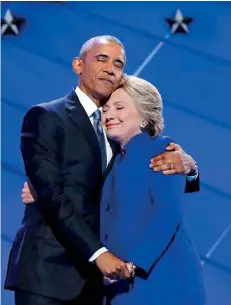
[{"x": 173, "y": 161}]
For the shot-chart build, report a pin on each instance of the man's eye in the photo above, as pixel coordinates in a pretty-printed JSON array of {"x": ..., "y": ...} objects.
[
  {"x": 119, "y": 108},
  {"x": 119, "y": 66},
  {"x": 101, "y": 59}
]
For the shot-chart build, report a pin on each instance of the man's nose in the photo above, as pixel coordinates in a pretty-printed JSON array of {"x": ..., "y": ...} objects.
[{"x": 110, "y": 69}]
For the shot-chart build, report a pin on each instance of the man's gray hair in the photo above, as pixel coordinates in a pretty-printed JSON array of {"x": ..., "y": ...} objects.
[
  {"x": 148, "y": 101},
  {"x": 89, "y": 43}
]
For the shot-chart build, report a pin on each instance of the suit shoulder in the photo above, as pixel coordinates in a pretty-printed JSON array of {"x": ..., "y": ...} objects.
[
  {"x": 159, "y": 144},
  {"x": 53, "y": 108},
  {"x": 163, "y": 141}
]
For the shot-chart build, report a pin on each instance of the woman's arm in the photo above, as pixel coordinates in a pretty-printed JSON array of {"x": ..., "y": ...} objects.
[{"x": 166, "y": 193}]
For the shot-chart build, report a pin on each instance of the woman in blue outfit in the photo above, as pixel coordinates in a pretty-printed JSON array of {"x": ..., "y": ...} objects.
[{"x": 141, "y": 210}]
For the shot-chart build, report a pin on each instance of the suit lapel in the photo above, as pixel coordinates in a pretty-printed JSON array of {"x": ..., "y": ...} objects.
[{"x": 80, "y": 120}]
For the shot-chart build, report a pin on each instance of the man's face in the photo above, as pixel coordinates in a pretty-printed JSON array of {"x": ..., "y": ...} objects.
[{"x": 101, "y": 69}]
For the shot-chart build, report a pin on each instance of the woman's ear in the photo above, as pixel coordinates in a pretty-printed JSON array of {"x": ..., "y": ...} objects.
[{"x": 77, "y": 65}]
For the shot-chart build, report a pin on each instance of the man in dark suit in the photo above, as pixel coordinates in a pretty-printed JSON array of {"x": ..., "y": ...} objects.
[{"x": 57, "y": 257}]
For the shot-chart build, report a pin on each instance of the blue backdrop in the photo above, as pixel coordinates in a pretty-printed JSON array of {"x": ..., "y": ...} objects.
[{"x": 191, "y": 71}]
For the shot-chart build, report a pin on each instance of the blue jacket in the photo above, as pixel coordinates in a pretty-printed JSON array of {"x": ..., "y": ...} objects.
[{"x": 141, "y": 222}]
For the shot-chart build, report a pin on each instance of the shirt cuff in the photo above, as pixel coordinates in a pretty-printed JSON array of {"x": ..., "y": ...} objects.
[
  {"x": 97, "y": 254},
  {"x": 192, "y": 178}
]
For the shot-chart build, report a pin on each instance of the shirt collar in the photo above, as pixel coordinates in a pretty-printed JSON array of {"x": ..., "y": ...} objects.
[{"x": 88, "y": 105}]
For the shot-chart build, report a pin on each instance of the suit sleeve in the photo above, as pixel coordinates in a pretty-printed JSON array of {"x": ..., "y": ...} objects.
[
  {"x": 193, "y": 186},
  {"x": 166, "y": 193},
  {"x": 40, "y": 145}
]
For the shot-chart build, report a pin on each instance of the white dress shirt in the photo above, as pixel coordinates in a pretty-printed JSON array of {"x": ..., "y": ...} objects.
[{"x": 90, "y": 107}]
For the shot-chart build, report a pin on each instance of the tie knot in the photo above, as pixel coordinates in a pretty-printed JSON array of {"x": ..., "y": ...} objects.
[{"x": 97, "y": 115}]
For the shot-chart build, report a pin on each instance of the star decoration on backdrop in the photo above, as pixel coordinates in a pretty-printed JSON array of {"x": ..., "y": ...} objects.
[
  {"x": 179, "y": 23},
  {"x": 11, "y": 24}
]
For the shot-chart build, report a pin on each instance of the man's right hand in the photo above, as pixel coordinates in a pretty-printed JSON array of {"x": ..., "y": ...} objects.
[
  {"x": 28, "y": 193},
  {"x": 112, "y": 267}
]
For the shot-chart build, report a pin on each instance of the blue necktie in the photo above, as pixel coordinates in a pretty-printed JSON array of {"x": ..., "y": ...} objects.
[{"x": 100, "y": 135}]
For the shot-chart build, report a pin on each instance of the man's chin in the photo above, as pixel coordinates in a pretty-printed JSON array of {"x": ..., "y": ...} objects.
[
  {"x": 106, "y": 93},
  {"x": 103, "y": 96}
]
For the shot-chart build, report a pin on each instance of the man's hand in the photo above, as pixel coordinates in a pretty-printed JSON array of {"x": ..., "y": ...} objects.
[
  {"x": 28, "y": 193},
  {"x": 112, "y": 267},
  {"x": 173, "y": 161},
  {"x": 108, "y": 281}
]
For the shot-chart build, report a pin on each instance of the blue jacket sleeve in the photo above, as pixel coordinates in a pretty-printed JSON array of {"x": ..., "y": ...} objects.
[{"x": 166, "y": 193}]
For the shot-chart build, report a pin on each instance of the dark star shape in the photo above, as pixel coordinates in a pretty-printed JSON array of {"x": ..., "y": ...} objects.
[
  {"x": 179, "y": 23},
  {"x": 11, "y": 24}
]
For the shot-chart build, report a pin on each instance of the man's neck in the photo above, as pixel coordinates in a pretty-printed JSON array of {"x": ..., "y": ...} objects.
[{"x": 99, "y": 102}]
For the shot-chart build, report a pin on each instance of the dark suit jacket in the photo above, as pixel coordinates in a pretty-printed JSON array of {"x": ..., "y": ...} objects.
[{"x": 60, "y": 232}]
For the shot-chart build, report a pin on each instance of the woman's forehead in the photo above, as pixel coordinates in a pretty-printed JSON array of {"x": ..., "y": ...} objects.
[{"x": 119, "y": 96}]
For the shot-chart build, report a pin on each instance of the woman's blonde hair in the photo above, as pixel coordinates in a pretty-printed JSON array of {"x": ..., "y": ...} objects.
[{"x": 148, "y": 101}]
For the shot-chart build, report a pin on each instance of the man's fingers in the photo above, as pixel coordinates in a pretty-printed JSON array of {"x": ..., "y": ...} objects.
[
  {"x": 112, "y": 275},
  {"x": 175, "y": 170},
  {"x": 25, "y": 191},
  {"x": 127, "y": 274},
  {"x": 122, "y": 271},
  {"x": 170, "y": 172},
  {"x": 162, "y": 167},
  {"x": 26, "y": 185},
  {"x": 27, "y": 198},
  {"x": 169, "y": 169},
  {"x": 161, "y": 157},
  {"x": 166, "y": 158},
  {"x": 161, "y": 162},
  {"x": 170, "y": 146}
]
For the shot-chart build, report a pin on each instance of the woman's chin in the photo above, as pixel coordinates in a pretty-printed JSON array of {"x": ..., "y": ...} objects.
[{"x": 112, "y": 136}]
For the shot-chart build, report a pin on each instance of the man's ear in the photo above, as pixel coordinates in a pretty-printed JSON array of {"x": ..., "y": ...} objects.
[{"x": 77, "y": 65}]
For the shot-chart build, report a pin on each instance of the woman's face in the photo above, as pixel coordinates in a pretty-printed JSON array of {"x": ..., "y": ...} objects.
[{"x": 121, "y": 117}]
